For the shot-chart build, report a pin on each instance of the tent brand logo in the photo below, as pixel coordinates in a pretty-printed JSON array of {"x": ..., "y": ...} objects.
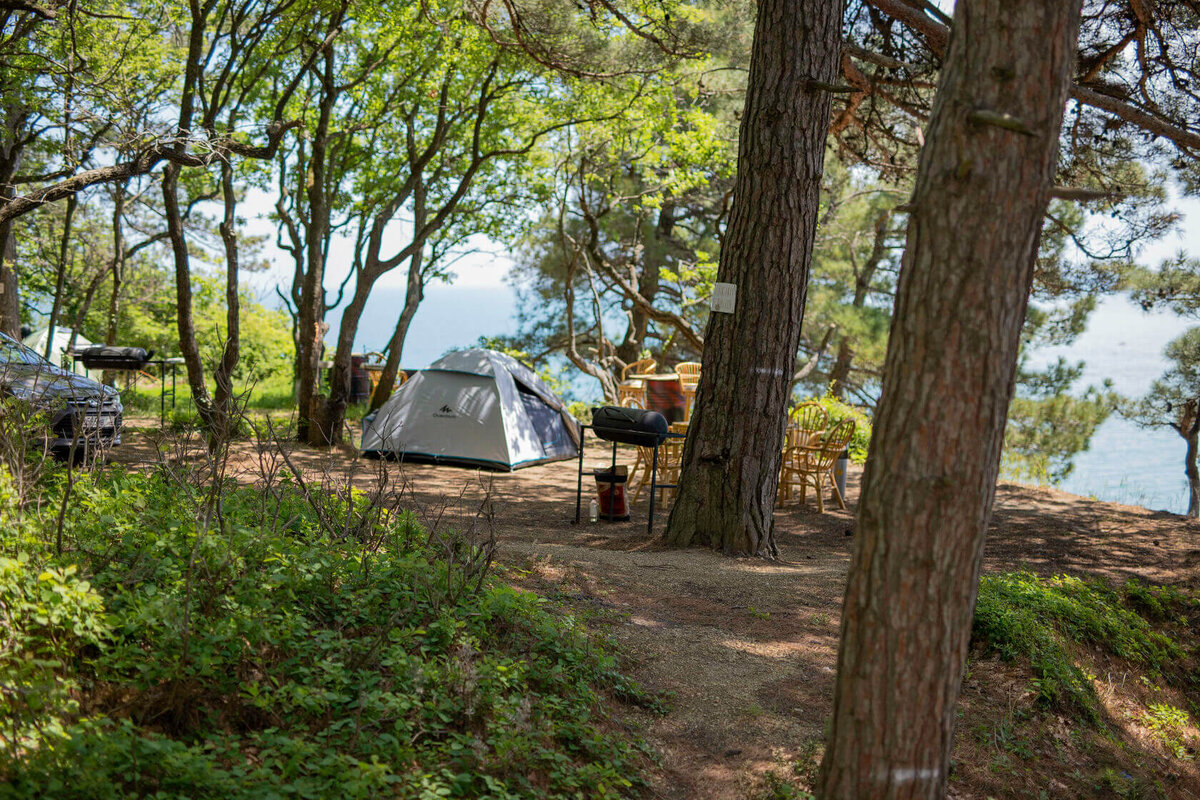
[{"x": 445, "y": 411}]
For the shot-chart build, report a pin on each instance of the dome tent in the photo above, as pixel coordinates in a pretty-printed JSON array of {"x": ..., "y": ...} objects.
[
  {"x": 474, "y": 408},
  {"x": 36, "y": 341}
]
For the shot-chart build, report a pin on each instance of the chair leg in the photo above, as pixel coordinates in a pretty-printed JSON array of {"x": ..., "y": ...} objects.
[
  {"x": 637, "y": 464},
  {"x": 837, "y": 493},
  {"x": 817, "y": 486}
]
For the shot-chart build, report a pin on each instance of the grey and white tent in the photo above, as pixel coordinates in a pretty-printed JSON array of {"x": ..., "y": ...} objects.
[{"x": 477, "y": 408}]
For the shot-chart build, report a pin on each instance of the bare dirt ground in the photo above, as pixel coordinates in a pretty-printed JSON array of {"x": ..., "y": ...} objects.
[{"x": 746, "y": 647}]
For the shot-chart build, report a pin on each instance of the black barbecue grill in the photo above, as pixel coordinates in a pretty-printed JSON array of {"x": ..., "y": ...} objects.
[
  {"x": 634, "y": 426},
  {"x": 111, "y": 357},
  {"x": 131, "y": 359}
]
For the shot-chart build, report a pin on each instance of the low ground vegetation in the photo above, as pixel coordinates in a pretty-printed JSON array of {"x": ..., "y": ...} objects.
[{"x": 166, "y": 633}]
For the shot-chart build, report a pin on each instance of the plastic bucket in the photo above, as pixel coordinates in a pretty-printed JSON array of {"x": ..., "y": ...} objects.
[{"x": 610, "y": 491}]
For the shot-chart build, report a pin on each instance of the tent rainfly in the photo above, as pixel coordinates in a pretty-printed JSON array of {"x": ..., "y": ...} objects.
[{"x": 474, "y": 408}]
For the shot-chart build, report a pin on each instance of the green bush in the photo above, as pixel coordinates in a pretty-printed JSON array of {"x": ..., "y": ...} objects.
[
  {"x": 266, "y": 655},
  {"x": 1019, "y": 614}
]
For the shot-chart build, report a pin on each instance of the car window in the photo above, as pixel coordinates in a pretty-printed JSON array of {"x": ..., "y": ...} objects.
[{"x": 13, "y": 352}]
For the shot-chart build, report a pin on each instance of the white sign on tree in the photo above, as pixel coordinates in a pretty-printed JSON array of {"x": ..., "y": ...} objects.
[{"x": 724, "y": 297}]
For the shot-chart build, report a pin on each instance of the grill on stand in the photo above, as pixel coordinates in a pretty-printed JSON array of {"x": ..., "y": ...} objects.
[{"x": 634, "y": 426}]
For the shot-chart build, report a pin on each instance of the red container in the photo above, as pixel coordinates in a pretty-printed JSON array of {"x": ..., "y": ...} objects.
[{"x": 610, "y": 488}]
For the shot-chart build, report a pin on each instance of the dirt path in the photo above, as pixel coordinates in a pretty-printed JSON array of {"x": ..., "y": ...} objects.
[{"x": 747, "y": 647}]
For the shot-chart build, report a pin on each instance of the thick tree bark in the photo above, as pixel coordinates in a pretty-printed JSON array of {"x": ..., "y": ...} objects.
[
  {"x": 11, "y": 152},
  {"x": 731, "y": 459},
  {"x": 10, "y": 299},
  {"x": 948, "y": 378},
  {"x": 1193, "y": 477}
]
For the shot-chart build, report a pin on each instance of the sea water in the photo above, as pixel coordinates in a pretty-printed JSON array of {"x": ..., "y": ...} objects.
[{"x": 1126, "y": 463}]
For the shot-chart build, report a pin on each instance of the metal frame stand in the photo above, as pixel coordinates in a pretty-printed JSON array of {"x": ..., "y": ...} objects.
[
  {"x": 654, "y": 484},
  {"x": 162, "y": 364}
]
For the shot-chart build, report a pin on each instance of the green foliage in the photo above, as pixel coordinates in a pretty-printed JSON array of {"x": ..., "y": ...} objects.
[
  {"x": 1168, "y": 723},
  {"x": 1020, "y": 615},
  {"x": 265, "y": 655},
  {"x": 1045, "y": 432},
  {"x": 49, "y": 618},
  {"x": 1172, "y": 399}
]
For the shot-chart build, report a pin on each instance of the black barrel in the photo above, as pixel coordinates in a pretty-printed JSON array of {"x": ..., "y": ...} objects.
[
  {"x": 106, "y": 357},
  {"x": 629, "y": 425}
]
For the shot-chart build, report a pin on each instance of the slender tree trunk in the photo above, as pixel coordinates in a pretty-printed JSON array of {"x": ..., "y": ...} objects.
[
  {"x": 1189, "y": 429},
  {"x": 118, "y": 266},
  {"x": 329, "y": 427},
  {"x": 60, "y": 278},
  {"x": 183, "y": 294},
  {"x": 414, "y": 294},
  {"x": 840, "y": 374},
  {"x": 11, "y": 152},
  {"x": 10, "y": 299},
  {"x": 930, "y": 479},
  {"x": 223, "y": 376},
  {"x": 630, "y": 349},
  {"x": 731, "y": 459},
  {"x": 311, "y": 313}
]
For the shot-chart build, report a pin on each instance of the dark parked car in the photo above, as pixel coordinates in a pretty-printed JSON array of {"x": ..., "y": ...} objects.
[{"x": 81, "y": 410}]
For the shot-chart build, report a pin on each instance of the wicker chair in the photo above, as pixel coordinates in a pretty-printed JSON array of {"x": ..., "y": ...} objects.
[
  {"x": 689, "y": 379},
  {"x": 806, "y": 423},
  {"x": 811, "y": 464},
  {"x": 638, "y": 461},
  {"x": 670, "y": 457},
  {"x": 635, "y": 388}
]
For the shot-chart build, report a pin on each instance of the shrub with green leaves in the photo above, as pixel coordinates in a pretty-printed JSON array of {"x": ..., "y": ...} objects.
[
  {"x": 261, "y": 655},
  {"x": 1019, "y": 614}
]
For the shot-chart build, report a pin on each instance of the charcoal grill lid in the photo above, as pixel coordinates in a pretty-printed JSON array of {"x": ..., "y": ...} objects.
[
  {"x": 115, "y": 357},
  {"x": 629, "y": 425}
]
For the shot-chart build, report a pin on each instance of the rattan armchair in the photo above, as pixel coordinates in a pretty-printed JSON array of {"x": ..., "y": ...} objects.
[{"x": 811, "y": 464}]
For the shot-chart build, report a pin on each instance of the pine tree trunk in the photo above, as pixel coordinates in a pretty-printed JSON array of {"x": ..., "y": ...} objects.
[
  {"x": 731, "y": 460},
  {"x": 1193, "y": 478},
  {"x": 948, "y": 378},
  {"x": 11, "y": 154},
  {"x": 1189, "y": 429}
]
